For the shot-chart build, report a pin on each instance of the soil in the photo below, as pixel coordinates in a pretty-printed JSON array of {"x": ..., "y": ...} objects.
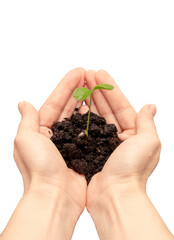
[{"x": 85, "y": 154}]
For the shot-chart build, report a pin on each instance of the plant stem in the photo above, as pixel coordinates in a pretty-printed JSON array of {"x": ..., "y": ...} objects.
[{"x": 89, "y": 114}]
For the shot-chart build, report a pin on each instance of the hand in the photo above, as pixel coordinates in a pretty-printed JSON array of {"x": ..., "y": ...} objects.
[
  {"x": 54, "y": 196},
  {"x": 116, "y": 197},
  {"x": 138, "y": 155},
  {"x": 37, "y": 158}
]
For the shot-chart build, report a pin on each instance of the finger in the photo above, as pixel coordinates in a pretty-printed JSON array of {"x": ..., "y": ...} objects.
[
  {"x": 84, "y": 109},
  {"x": 71, "y": 104},
  {"x": 46, "y": 131},
  {"x": 54, "y": 105},
  {"x": 69, "y": 108},
  {"x": 100, "y": 101},
  {"x": 29, "y": 117},
  {"x": 122, "y": 109},
  {"x": 145, "y": 120},
  {"x": 79, "y": 104},
  {"x": 127, "y": 134}
]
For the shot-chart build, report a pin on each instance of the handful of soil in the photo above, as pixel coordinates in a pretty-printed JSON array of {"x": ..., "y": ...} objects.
[{"x": 85, "y": 154}]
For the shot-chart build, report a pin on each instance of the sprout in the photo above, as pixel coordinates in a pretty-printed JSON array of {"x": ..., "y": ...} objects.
[{"x": 83, "y": 93}]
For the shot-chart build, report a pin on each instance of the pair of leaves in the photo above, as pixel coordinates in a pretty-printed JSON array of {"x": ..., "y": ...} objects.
[{"x": 83, "y": 93}]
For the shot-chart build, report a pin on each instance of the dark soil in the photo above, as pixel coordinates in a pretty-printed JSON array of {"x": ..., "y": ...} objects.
[{"x": 85, "y": 155}]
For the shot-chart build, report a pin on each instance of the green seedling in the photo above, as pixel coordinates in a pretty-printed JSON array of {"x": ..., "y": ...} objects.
[{"x": 83, "y": 93}]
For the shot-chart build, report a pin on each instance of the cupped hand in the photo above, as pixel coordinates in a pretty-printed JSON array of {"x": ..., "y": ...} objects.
[
  {"x": 37, "y": 158},
  {"x": 136, "y": 157}
]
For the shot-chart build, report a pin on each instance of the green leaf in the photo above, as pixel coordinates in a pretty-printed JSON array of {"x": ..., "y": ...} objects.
[
  {"x": 81, "y": 93},
  {"x": 104, "y": 86}
]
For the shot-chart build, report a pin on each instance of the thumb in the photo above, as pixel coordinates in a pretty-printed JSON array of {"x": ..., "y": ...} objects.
[
  {"x": 29, "y": 117},
  {"x": 145, "y": 120}
]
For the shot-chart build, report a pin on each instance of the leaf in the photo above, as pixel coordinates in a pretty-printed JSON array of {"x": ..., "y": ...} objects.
[
  {"x": 81, "y": 93},
  {"x": 104, "y": 86}
]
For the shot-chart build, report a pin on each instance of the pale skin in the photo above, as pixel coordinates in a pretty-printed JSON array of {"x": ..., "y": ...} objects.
[
  {"x": 116, "y": 197},
  {"x": 55, "y": 196}
]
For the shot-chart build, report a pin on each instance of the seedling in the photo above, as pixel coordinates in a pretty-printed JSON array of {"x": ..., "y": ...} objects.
[{"x": 83, "y": 93}]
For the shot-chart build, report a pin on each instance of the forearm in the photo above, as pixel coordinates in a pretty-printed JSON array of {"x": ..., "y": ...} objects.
[
  {"x": 42, "y": 215},
  {"x": 128, "y": 214}
]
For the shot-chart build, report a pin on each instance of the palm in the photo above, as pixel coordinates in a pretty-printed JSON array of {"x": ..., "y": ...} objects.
[
  {"x": 130, "y": 154},
  {"x": 59, "y": 105},
  {"x": 54, "y": 165},
  {"x": 115, "y": 108},
  {"x": 125, "y": 163}
]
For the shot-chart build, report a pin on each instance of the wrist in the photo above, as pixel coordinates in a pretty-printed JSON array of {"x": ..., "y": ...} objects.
[
  {"x": 44, "y": 212},
  {"x": 53, "y": 187},
  {"x": 109, "y": 191},
  {"x": 56, "y": 197},
  {"x": 124, "y": 211},
  {"x": 107, "y": 208}
]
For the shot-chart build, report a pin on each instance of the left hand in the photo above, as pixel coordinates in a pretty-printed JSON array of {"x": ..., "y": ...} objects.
[{"x": 37, "y": 158}]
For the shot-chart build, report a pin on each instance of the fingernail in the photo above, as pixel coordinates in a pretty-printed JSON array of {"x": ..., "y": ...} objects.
[
  {"x": 152, "y": 109},
  {"x": 21, "y": 106}
]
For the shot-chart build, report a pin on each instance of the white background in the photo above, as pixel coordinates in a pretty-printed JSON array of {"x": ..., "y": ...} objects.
[{"x": 41, "y": 40}]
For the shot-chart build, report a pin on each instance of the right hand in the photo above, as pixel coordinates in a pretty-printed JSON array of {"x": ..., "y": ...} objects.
[{"x": 134, "y": 159}]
